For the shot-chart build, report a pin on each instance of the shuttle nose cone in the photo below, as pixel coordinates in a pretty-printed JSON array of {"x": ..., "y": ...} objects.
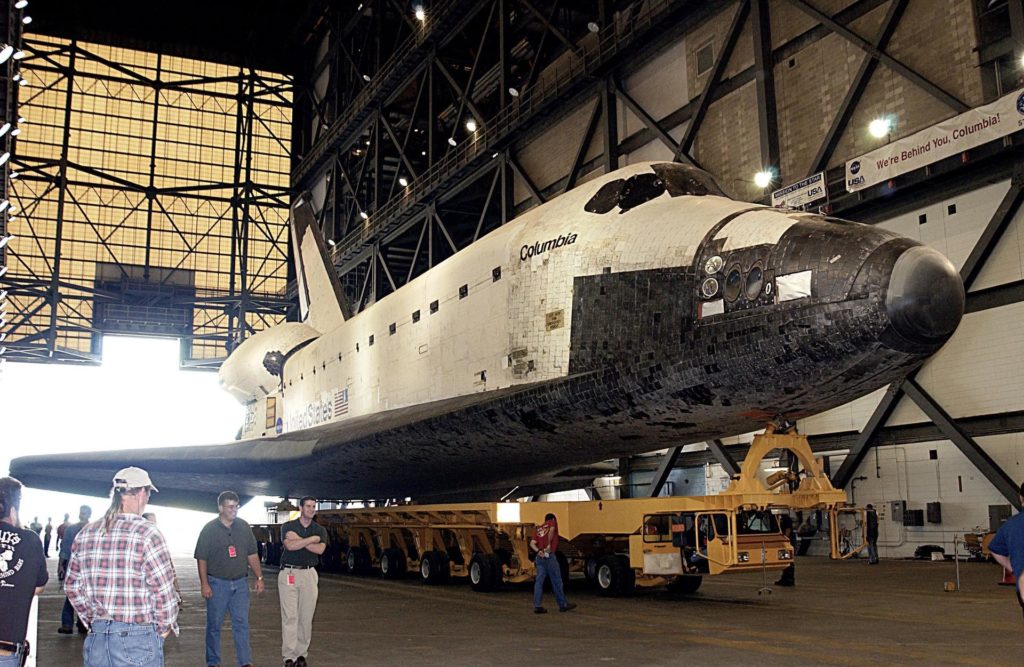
[{"x": 925, "y": 299}]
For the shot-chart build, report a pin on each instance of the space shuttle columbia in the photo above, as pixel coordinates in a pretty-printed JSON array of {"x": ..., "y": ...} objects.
[{"x": 641, "y": 310}]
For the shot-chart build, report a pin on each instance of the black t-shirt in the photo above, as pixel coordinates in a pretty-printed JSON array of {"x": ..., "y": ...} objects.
[
  {"x": 22, "y": 570},
  {"x": 226, "y": 550},
  {"x": 302, "y": 556}
]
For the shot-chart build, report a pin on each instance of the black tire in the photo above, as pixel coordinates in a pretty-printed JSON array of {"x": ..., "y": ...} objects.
[
  {"x": 484, "y": 572},
  {"x": 615, "y": 577},
  {"x": 563, "y": 566},
  {"x": 590, "y": 569},
  {"x": 434, "y": 568},
  {"x": 392, "y": 564},
  {"x": 358, "y": 560},
  {"x": 685, "y": 584}
]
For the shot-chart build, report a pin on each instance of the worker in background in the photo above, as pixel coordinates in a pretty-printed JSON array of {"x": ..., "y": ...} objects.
[
  {"x": 304, "y": 542},
  {"x": 23, "y": 572},
  {"x": 872, "y": 533},
  {"x": 225, "y": 552},
  {"x": 788, "y": 577},
  {"x": 67, "y": 615},
  {"x": 121, "y": 580},
  {"x": 36, "y": 527},
  {"x": 1007, "y": 548},
  {"x": 47, "y": 535},
  {"x": 545, "y": 545},
  {"x": 60, "y": 531}
]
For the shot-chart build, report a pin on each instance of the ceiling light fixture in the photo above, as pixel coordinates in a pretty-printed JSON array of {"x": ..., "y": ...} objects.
[
  {"x": 471, "y": 125},
  {"x": 21, "y": 4},
  {"x": 363, "y": 215},
  {"x": 403, "y": 181},
  {"x": 6, "y": 52},
  {"x": 27, "y": 20},
  {"x": 513, "y": 92},
  {"x": 421, "y": 15},
  {"x": 763, "y": 179},
  {"x": 879, "y": 127},
  {"x": 451, "y": 141}
]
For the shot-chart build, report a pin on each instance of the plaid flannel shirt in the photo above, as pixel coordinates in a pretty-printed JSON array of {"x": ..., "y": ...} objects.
[{"x": 124, "y": 574}]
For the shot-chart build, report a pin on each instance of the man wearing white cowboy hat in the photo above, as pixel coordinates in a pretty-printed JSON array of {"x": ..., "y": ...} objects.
[{"x": 120, "y": 580}]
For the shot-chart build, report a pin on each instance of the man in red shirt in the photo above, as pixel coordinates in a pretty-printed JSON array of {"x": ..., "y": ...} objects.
[{"x": 545, "y": 544}]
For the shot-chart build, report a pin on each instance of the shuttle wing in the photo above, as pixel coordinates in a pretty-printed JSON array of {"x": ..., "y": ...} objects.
[{"x": 421, "y": 450}]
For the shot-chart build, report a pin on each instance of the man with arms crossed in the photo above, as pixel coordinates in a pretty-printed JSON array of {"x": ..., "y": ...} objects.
[
  {"x": 22, "y": 575},
  {"x": 120, "y": 580},
  {"x": 304, "y": 541},
  {"x": 225, "y": 551}
]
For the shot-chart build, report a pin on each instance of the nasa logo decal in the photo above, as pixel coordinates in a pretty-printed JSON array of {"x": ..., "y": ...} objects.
[
  {"x": 1020, "y": 104},
  {"x": 855, "y": 166},
  {"x": 279, "y": 426}
]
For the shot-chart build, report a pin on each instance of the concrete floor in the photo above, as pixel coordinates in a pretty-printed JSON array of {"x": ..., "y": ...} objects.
[{"x": 838, "y": 614}]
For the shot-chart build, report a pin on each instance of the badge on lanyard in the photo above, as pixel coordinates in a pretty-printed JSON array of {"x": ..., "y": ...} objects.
[
  {"x": 232, "y": 553},
  {"x": 291, "y": 579}
]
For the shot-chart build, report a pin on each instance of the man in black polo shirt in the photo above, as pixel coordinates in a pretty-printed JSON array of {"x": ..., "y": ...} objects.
[
  {"x": 225, "y": 551},
  {"x": 22, "y": 574},
  {"x": 304, "y": 541}
]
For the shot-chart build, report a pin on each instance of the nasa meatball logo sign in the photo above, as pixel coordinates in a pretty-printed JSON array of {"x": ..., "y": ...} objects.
[
  {"x": 855, "y": 167},
  {"x": 1020, "y": 104}
]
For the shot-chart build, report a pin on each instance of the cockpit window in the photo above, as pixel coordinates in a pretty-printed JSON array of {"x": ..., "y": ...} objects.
[
  {"x": 676, "y": 179},
  {"x": 733, "y": 285},
  {"x": 606, "y": 198},
  {"x": 755, "y": 282},
  {"x": 639, "y": 189},
  {"x": 682, "y": 179}
]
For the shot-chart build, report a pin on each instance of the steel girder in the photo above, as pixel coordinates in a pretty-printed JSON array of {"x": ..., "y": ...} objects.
[
  {"x": 949, "y": 427},
  {"x": 513, "y": 66},
  {"x": 142, "y": 230}
]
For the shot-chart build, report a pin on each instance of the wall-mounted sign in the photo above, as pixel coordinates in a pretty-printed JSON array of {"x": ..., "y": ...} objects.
[
  {"x": 811, "y": 189},
  {"x": 950, "y": 137}
]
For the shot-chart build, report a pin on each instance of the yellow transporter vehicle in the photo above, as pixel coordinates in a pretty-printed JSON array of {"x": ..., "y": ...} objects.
[{"x": 618, "y": 544}]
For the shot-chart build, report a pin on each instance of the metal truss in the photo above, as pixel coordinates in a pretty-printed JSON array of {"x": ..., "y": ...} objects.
[
  {"x": 948, "y": 426},
  {"x": 153, "y": 200},
  {"x": 400, "y": 179}
]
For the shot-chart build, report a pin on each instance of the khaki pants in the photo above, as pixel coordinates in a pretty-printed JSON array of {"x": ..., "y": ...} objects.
[{"x": 298, "y": 603}]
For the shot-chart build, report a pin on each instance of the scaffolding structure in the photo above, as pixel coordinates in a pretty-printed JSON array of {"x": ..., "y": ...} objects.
[{"x": 151, "y": 197}]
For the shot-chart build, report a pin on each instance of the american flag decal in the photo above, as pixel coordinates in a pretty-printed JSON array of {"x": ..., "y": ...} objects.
[{"x": 340, "y": 402}]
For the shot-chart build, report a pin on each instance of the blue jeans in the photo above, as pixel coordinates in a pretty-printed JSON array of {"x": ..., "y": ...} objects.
[
  {"x": 872, "y": 551},
  {"x": 116, "y": 644},
  {"x": 547, "y": 568},
  {"x": 12, "y": 660},
  {"x": 230, "y": 596},
  {"x": 67, "y": 615}
]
